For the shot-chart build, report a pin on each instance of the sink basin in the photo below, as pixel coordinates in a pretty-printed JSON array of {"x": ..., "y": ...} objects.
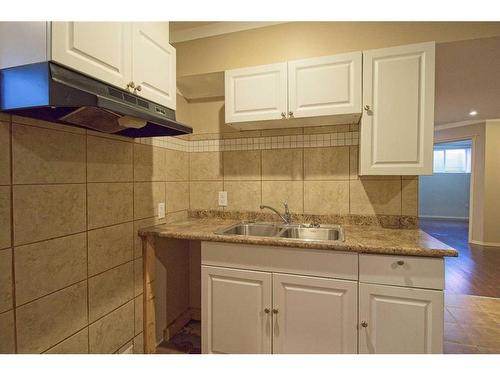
[
  {"x": 301, "y": 232},
  {"x": 252, "y": 229},
  {"x": 325, "y": 233}
]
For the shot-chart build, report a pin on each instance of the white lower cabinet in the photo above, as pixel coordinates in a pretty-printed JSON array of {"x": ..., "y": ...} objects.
[
  {"x": 398, "y": 320},
  {"x": 263, "y": 312},
  {"x": 263, "y": 299},
  {"x": 233, "y": 311},
  {"x": 314, "y": 315}
]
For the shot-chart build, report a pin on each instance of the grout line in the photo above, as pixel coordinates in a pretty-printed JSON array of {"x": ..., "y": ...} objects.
[
  {"x": 59, "y": 342},
  {"x": 13, "y": 260}
]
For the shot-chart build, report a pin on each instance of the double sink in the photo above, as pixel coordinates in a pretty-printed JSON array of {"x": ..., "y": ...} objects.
[{"x": 303, "y": 232}]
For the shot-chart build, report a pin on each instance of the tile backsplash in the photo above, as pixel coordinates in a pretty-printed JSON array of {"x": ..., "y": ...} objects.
[{"x": 71, "y": 201}]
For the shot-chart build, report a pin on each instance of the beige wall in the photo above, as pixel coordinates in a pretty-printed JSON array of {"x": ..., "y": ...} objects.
[
  {"x": 492, "y": 183},
  {"x": 70, "y": 262},
  {"x": 309, "y": 39}
]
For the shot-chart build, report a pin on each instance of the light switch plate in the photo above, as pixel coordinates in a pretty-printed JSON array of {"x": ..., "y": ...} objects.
[
  {"x": 223, "y": 198},
  {"x": 161, "y": 210}
]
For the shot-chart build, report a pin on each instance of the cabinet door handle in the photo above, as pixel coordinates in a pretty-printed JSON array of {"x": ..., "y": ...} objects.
[
  {"x": 267, "y": 311},
  {"x": 137, "y": 88},
  {"x": 364, "y": 324},
  {"x": 283, "y": 115},
  {"x": 275, "y": 311},
  {"x": 290, "y": 114},
  {"x": 131, "y": 85},
  {"x": 367, "y": 108},
  {"x": 400, "y": 262}
]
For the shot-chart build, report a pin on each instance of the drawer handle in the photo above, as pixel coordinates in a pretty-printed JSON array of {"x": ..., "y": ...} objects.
[
  {"x": 400, "y": 262},
  {"x": 267, "y": 311},
  {"x": 275, "y": 311}
]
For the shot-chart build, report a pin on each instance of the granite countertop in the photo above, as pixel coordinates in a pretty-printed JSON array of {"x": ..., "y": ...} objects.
[{"x": 358, "y": 238}]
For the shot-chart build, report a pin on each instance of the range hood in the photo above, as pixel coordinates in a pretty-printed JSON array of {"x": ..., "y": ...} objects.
[{"x": 50, "y": 92}]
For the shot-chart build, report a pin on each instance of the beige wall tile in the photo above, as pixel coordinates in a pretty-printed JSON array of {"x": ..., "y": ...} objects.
[
  {"x": 111, "y": 332},
  {"x": 326, "y": 129},
  {"x": 110, "y": 246},
  {"x": 138, "y": 276},
  {"x": 274, "y": 193},
  {"x": 110, "y": 289},
  {"x": 47, "y": 266},
  {"x": 129, "y": 346},
  {"x": 326, "y": 163},
  {"x": 326, "y": 197},
  {"x": 47, "y": 156},
  {"x": 4, "y": 153},
  {"x": 277, "y": 132},
  {"x": 177, "y": 194},
  {"x": 143, "y": 223},
  {"x": 149, "y": 163},
  {"x": 147, "y": 195},
  {"x": 109, "y": 160},
  {"x": 49, "y": 320},
  {"x": 7, "y": 343},
  {"x": 409, "y": 198},
  {"x": 241, "y": 165},
  {"x": 370, "y": 197},
  {"x": 175, "y": 217},
  {"x": 176, "y": 165},
  {"x": 109, "y": 203},
  {"x": 283, "y": 164},
  {"x": 243, "y": 195},
  {"x": 353, "y": 162},
  {"x": 76, "y": 344},
  {"x": 204, "y": 195},
  {"x": 139, "y": 344},
  {"x": 46, "y": 125},
  {"x": 205, "y": 166},
  {"x": 47, "y": 211},
  {"x": 5, "y": 229},
  {"x": 5, "y": 280},
  {"x": 138, "y": 314}
]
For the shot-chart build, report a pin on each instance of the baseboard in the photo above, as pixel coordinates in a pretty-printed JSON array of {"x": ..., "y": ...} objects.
[
  {"x": 454, "y": 218},
  {"x": 494, "y": 244}
]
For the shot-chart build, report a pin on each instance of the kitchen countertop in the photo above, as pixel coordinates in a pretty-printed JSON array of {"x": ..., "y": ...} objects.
[{"x": 358, "y": 238}]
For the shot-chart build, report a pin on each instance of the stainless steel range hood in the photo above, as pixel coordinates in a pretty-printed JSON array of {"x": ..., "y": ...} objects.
[{"x": 50, "y": 92}]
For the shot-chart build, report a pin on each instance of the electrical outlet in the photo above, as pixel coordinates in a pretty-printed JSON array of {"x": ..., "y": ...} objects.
[
  {"x": 161, "y": 210},
  {"x": 223, "y": 198}
]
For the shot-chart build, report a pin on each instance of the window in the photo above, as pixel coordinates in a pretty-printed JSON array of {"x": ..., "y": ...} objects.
[{"x": 453, "y": 157}]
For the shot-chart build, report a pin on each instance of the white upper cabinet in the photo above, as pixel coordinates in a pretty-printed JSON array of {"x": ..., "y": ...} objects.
[
  {"x": 397, "y": 320},
  {"x": 325, "y": 90},
  {"x": 134, "y": 56},
  {"x": 153, "y": 62},
  {"x": 325, "y": 86},
  {"x": 397, "y": 125},
  {"x": 314, "y": 315},
  {"x": 257, "y": 93},
  {"x": 99, "y": 49}
]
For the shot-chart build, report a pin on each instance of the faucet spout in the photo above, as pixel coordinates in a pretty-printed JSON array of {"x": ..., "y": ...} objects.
[{"x": 286, "y": 217}]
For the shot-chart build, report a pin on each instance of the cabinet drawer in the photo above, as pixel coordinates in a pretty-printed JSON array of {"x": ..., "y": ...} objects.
[
  {"x": 402, "y": 270},
  {"x": 333, "y": 264}
]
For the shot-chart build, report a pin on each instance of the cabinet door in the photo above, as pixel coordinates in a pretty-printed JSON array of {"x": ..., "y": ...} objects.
[
  {"x": 400, "y": 320},
  {"x": 233, "y": 311},
  {"x": 314, "y": 315},
  {"x": 99, "y": 49},
  {"x": 397, "y": 125},
  {"x": 154, "y": 62},
  {"x": 256, "y": 93},
  {"x": 325, "y": 86}
]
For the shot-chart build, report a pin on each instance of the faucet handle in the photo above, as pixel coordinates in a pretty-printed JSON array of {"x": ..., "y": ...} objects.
[{"x": 285, "y": 203}]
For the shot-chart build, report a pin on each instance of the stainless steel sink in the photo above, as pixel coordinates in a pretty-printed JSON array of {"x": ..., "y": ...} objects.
[
  {"x": 322, "y": 233},
  {"x": 303, "y": 232},
  {"x": 252, "y": 229}
]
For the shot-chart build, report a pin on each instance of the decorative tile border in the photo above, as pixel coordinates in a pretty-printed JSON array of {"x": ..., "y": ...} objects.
[{"x": 255, "y": 143}]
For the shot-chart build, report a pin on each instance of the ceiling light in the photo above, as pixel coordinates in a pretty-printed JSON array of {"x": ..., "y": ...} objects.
[{"x": 472, "y": 113}]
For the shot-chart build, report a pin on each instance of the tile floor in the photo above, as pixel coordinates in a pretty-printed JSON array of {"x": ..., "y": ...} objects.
[
  {"x": 187, "y": 341},
  {"x": 471, "y": 324}
]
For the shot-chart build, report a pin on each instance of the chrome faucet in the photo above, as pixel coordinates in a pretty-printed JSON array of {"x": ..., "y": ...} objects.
[{"x": 286, "y": 217}]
